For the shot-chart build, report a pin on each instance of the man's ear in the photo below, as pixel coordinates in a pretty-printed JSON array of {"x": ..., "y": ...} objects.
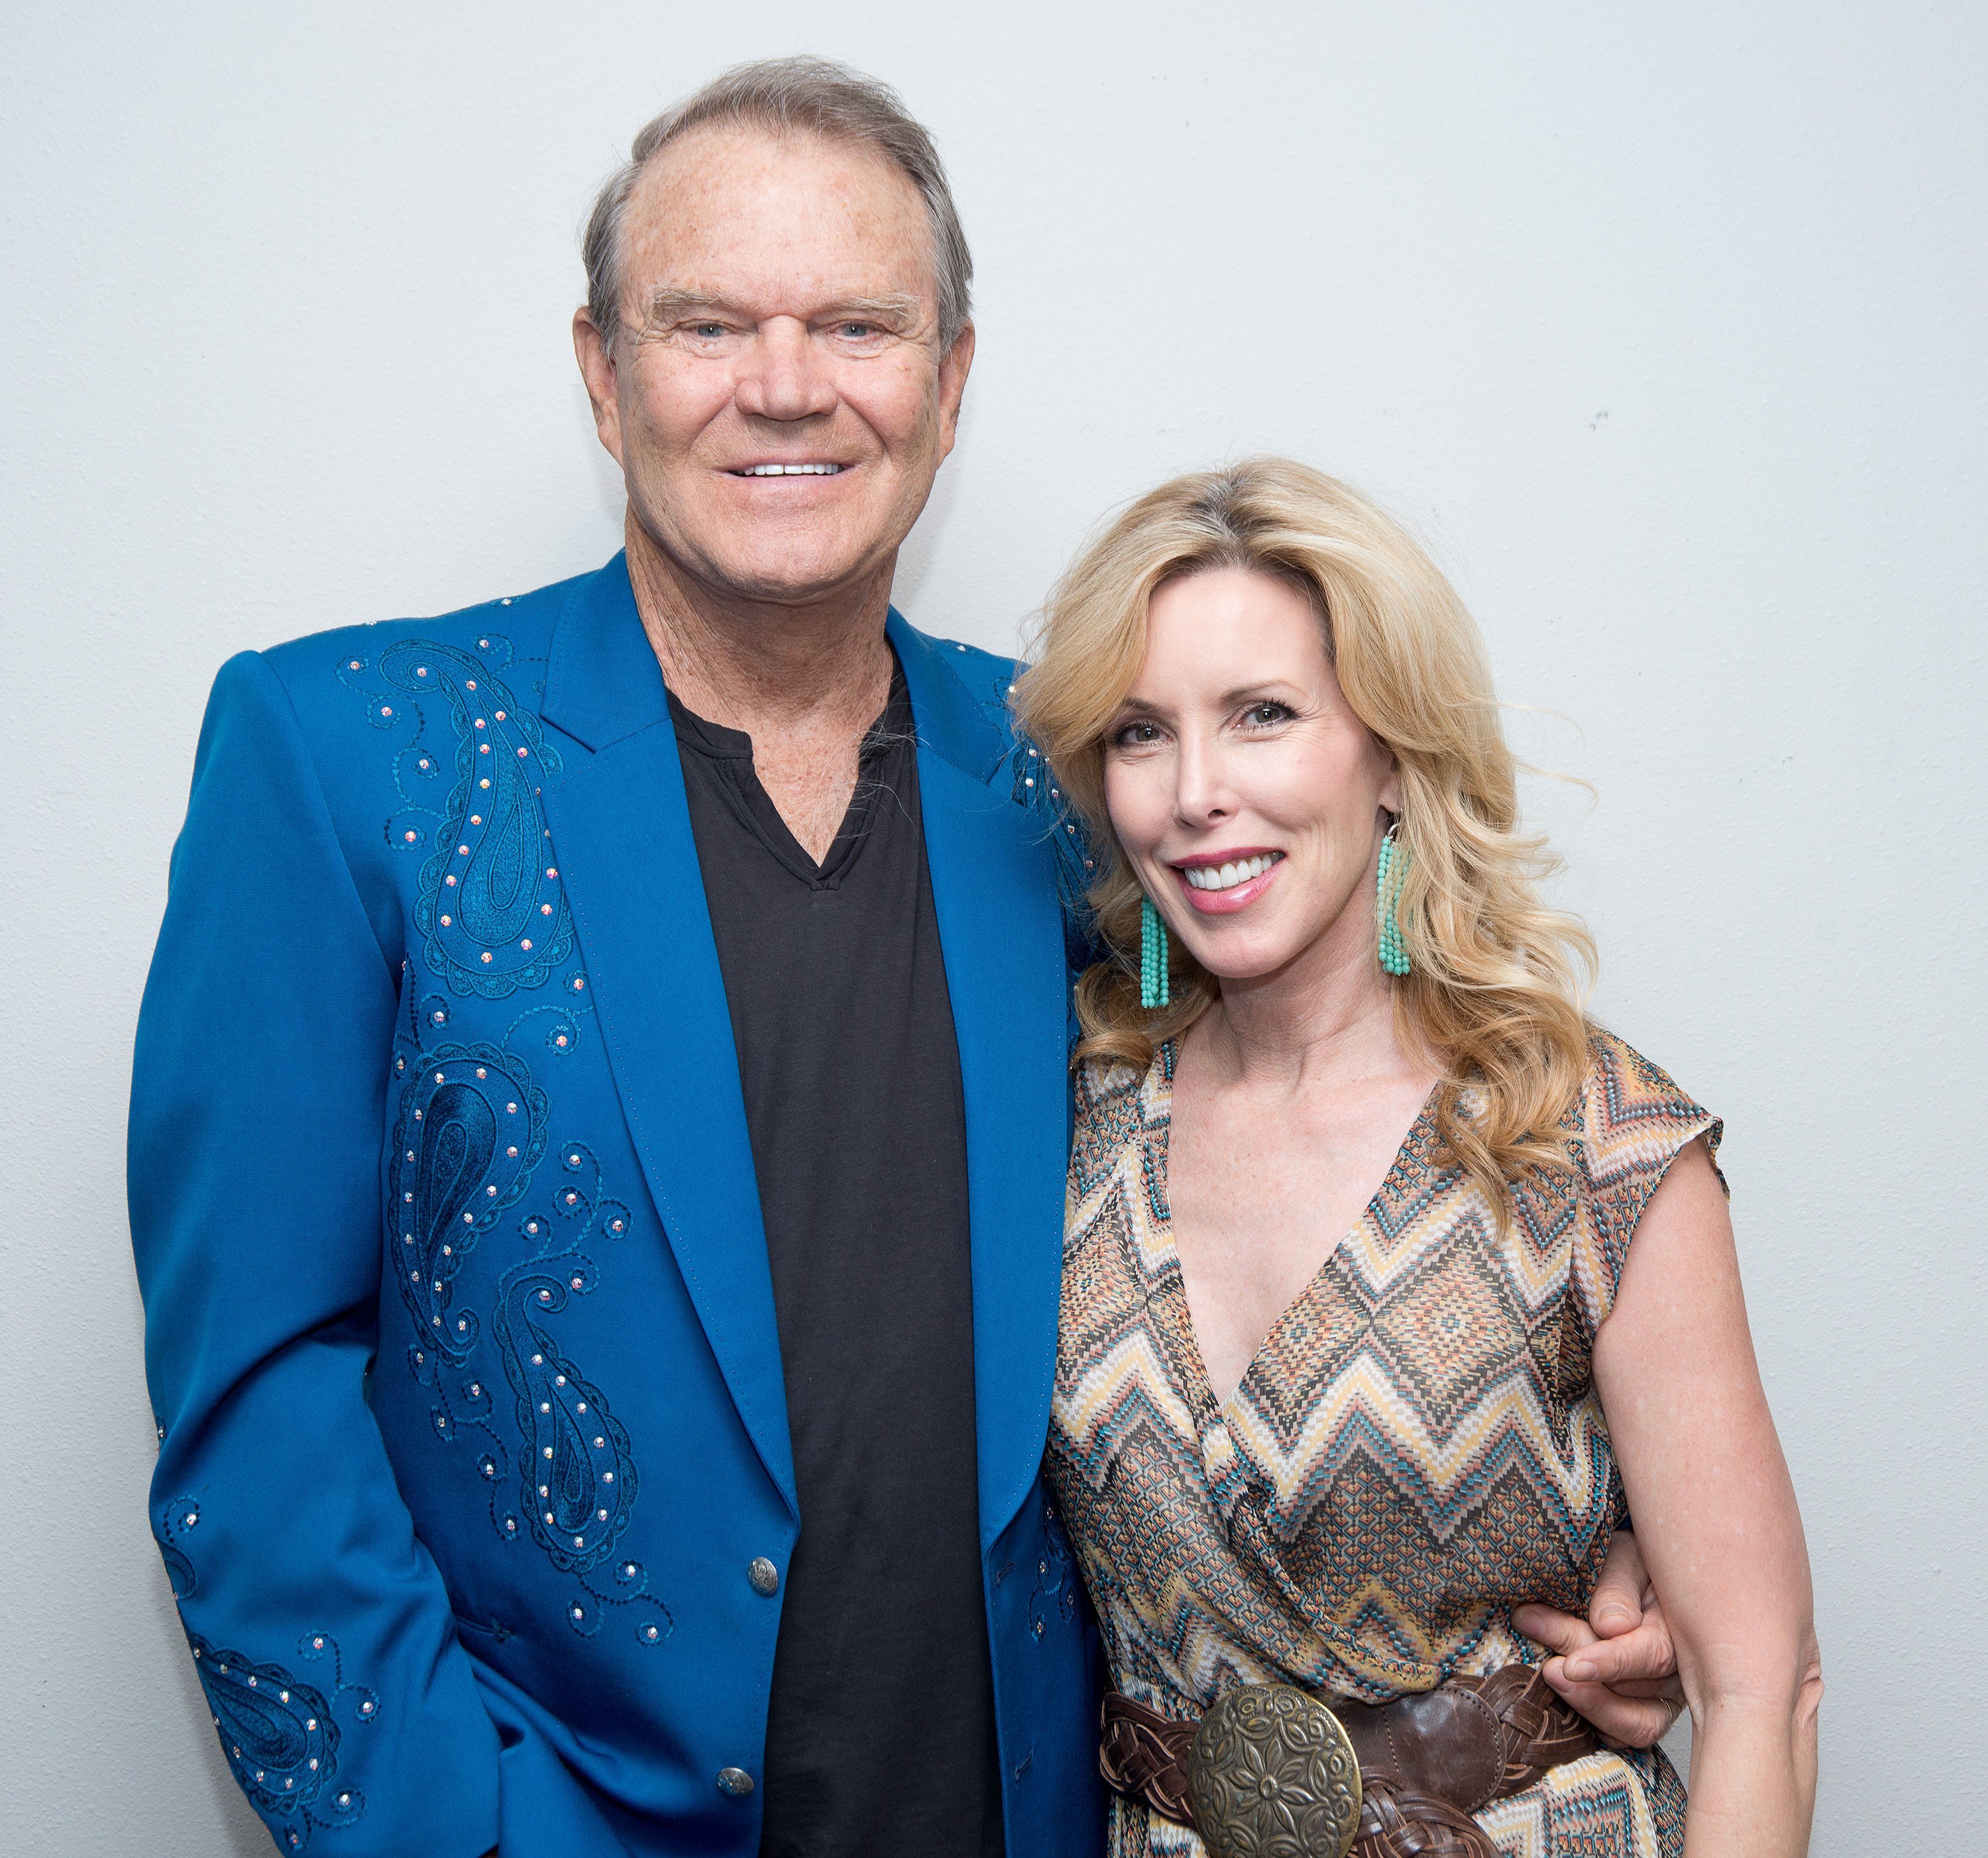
[
  {"x": 953, "y": 368},
  {"x": 595, "y": 356}
]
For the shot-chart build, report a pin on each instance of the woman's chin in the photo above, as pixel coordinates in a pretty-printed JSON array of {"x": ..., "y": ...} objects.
[{"x": 1241, "y": 958}]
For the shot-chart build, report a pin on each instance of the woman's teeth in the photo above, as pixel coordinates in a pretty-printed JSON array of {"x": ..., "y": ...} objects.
[{"x": 1227, "y": 876}]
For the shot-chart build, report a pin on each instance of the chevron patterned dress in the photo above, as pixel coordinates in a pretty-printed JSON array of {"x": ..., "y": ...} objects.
[{"x": 1416, "y": 1449}]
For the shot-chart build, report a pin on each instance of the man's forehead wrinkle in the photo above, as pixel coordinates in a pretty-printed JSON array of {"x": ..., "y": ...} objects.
[
  {"x": 736, "y": 212},
  {"x": 713, "y": 172}
]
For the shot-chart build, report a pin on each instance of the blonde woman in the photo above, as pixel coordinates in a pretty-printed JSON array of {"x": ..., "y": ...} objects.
[{"x": 1391, "y": 1282}]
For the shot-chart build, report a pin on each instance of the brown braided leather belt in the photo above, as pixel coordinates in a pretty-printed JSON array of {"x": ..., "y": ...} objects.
[{"x": 1271, "y": 1772}]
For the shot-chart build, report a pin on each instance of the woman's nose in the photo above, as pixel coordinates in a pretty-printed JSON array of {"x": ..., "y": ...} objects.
[{"x": 1202, "y": 792}]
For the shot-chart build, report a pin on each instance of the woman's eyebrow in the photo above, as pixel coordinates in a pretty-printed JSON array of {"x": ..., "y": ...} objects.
[{"x": 1261, "y": 688}]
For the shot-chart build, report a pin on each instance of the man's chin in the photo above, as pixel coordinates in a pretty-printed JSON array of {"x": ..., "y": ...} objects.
[
  {"x": 782, "y": 575},
  {"x": 786, "y": 563}
]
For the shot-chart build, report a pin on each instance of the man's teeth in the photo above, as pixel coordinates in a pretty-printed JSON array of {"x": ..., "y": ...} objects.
[
  {"x": 1227, "y": 876},
  {"x": 790, "y": 471}
]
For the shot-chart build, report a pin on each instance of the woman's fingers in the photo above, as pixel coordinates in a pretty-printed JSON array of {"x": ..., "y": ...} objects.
[
  {"x": 1647, "y": 1652},
  {"x": 1624, "y": 1719},
  {"x": 1626, "y": 1686},
  {"x": 1617, "y": 1604},
  {"x": 1557, "y": 1631}
]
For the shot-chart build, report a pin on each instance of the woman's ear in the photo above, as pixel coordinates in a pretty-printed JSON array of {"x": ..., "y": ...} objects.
[{"x": 1390, "y": 788}]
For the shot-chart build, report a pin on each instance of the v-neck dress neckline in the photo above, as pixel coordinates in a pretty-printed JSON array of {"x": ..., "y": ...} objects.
[{"x": 1169, "y": 1279}]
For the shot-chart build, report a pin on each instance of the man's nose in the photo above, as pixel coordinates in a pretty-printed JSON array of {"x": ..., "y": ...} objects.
[{"x": 784, "y": 376}]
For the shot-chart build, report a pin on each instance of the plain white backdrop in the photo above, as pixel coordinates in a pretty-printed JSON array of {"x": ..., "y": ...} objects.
[{"x": 1664, "y": 325}]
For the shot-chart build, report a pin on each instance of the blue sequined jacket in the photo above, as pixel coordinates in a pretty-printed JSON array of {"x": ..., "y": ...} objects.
[{"x": 459, "y": 1324}]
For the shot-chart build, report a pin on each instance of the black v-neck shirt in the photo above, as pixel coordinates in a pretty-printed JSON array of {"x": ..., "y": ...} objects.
[{"x": 880, "y": 1738}]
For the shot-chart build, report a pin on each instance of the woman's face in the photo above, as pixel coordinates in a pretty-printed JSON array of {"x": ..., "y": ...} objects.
[{"x": 1247, "y": 794}]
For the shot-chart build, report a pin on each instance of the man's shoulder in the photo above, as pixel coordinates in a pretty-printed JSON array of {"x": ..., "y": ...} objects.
[
  {"x": 353, "y": 683},
  {"x": 501, "y": 643},
  {"x": 981, "y": 669},
  {"x": 987, "y": 677}
]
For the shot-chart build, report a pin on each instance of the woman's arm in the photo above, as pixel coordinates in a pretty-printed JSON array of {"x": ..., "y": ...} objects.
[{"x": 1715, "y": 1514}]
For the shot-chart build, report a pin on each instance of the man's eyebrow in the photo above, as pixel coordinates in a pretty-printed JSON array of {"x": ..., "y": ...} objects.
[
  {"x": 668, "y": 305},
  {"x": 671, "y": 306},
  {"x": 881, "y": 310}
]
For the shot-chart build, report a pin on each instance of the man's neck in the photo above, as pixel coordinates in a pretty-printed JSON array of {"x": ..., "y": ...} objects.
[
  {"x": 804, "y": 683},
  {"x": 760, "y": 668}
]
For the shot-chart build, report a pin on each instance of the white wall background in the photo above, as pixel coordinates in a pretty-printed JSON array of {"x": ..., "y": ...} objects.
[{"x": 1665, "y": 323}]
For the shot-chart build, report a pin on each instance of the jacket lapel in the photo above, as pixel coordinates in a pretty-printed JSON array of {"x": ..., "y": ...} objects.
[
  {"x": 994, "y": 887},
  {"x": 621, "y": 832}
]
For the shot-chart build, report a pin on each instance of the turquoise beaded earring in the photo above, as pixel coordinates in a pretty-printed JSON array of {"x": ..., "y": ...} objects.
[
  {"x": 1153, "y": 988},
  {"x": 1387, "y": 890}
]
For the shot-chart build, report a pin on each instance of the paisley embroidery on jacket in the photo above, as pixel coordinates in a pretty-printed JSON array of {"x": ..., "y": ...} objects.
[
  {"x": 1056, "y": 1575},
  {"x": 555, "y": 1022},
  {"x": 278, "y": 1734},
  {"x": 282, "y": 1742},
  {"x": 576, "y": 1475},
  {"x": 491, "y": 911},
  {"x": 1034, "y": 789},
  {"x": 470, "y": 1130},
  {"x": 182, "y": 1513},
  {"x": 417, "y": 764}
]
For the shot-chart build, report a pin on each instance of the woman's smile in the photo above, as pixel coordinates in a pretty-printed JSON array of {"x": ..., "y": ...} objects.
[{"x": 1219, "y": 883}]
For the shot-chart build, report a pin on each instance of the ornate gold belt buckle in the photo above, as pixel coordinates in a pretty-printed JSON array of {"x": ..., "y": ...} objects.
[{"x": 1271, "y": 1773}]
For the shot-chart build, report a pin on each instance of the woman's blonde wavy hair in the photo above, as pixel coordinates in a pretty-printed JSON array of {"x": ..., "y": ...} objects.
[{"x": 1494, "y": 996}]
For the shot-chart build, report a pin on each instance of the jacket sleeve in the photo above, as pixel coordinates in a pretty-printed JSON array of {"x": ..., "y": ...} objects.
[{"x": 319, "y": 1624}]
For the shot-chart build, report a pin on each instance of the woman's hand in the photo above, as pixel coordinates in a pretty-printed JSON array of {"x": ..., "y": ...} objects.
[
  {"x": 1715, "y": 1514},
  {"x": 1618, "y": 1666}
]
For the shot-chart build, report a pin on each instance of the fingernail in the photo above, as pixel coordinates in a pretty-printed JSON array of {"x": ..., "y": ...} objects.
[
  {"x": 1617, "y": 1612},
  {"x": 1580, "y": 1670}
]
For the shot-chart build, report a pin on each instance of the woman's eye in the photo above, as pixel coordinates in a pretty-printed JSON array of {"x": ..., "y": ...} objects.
[
  {"x": 1262, "y": 715},
  {"x": 1137, "y": 735}
]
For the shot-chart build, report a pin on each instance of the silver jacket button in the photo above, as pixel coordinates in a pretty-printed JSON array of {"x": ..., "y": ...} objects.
[
  {"x": 735, "y": 1782},
  {"x": 765, "y": 1577}
]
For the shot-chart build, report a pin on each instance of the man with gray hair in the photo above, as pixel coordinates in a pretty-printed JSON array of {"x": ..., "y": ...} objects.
[
  {"x": 609, "y": 1417},
  {"x": 599, "y": 1116}
]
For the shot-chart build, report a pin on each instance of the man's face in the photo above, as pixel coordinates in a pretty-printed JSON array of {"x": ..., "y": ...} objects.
[{"x": 780, "y": 311}]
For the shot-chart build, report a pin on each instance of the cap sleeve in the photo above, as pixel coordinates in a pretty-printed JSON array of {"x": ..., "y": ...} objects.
[{"x": 1634, "y": 1121}]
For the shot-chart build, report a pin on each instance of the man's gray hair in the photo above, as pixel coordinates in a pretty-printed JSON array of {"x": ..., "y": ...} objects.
[{"x": 782, "y": 95}]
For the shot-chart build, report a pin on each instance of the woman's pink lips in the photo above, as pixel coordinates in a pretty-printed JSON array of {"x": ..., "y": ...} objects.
[{"x": 1226, "y": 903}]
